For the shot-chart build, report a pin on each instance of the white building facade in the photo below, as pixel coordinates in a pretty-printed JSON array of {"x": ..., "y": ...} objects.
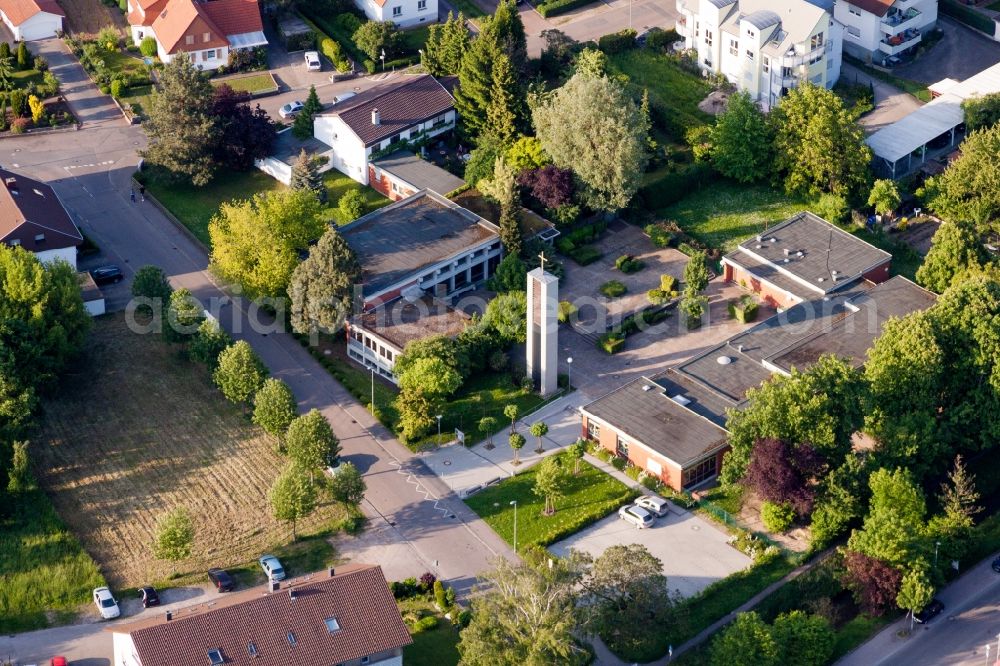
[
  {"x": 32, "y": 19},
  {"x": 764, "y": 47},
  {"x": 877, "y": 30},
  {"x": 404, "y": 13}
]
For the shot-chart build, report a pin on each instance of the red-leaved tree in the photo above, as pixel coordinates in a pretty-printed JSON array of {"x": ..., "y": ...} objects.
[
  {"x": 874, "y": 583},
  {"x": 550, "y": 185},
  {"x": 781, "y": 473}
]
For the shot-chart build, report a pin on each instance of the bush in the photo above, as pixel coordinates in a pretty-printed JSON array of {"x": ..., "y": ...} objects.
[
  {"x": 629, "y": 264},
  {"x": 108, "y": 38},
  {"x": 612, "y": 289},
  {"x": 41, "y": 64},
  {"x": 744, "y": 309},
  {"x": 117, "y": 88},
  {"x": 424, "y": 624},
  {"x": 633, "y": 472},
  {"x": 566, "y": 310},
  {"x": 556, "y": 7},
  {"x": 617, "y": 42},
  {"x": 404, "y": 589},
  {"x": 19, "y": 125},
  {"x": 23, "y": 56},
  {"x": 968, "y": 16},
  {"x": 619, "y": 463},
  {"x": 332, "y": 50},
  {"x": 667, "y": 188},
  {"x": 777, "y": 517},
  {"x": 657, "y": 296},
  {"x": 463, "y": 619},
  {"x": 660, "y": 234},
  {"x": 147, "y": 47},
  {"x": 832, "y": 207},
  {"x": 651, "y": 482},
  {"x": 668, "y": 283},
  {"x": 439, "y": 597},
  {"x": 658, "y": 39},
  {"x": 369, "y": 66},
  {"x": 585, "y": 254},
  {"x": 351, "y": 205},
  {"x": 611, "y": 342}
]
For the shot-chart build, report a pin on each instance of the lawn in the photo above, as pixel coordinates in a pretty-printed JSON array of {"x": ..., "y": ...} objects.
[
  {"x": 674, "y": 93},
  {"x": 23, "y": 78},
  {"x": 431, "y": 647},
  {"x": 43, "y": 568},
  {"x": 905, "y": 260},
  {"x": 337, "y": 184},
  {"x": 587, "y": 498},
  {"x": 135, "y": 431},
  {"x": 117, "y": 61},
  {"x": 412, "y": 40},
  {"x": 726, "y": 213},
  {"x": 140, "y": 98},
  {"x": 253, "y": 83}
]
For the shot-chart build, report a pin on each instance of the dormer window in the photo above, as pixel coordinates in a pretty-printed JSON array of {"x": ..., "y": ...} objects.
[
  {"x": 14, "y": 242},
  {"x": 291, "y": 639},
  {"x": 39, "y": 238}
]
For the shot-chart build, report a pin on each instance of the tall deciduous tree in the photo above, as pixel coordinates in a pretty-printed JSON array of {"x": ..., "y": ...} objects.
[
  {"x": 183, "y": 316},
  {"x": 292, "y": 496},
  {"x": 803, "y": 639},
  {"x": 747, "y": 640},
  {"x": 538, "y": 430},
  {"x": 516, "y": 441},
  {"x": 310, "y": 441},
  {"x": 981, "y": 112},
  {"x": 208, "y": 343},
  {"x": 441, "y": 346},
  {"x": 240, "y": 373},
  {"x": 243, "y": 134},
  {"x": 741, "y": 140},
  {"x": 274, "y": 407},
  {"x": 895, "y": 517},
  {"x": 374, "y": 37},
  {"x": 507, "y": 315},
  {"x": 915, "y": 591},
  {"x": 818, "y": 145},
  {"x": 576, "y": 451},
  {"x": 955, "y": 249},
  {"x": 781, "y": 473},
  {"x": 306, "y": 175},
  {"x": 874, "y": 584},
  {"x": 550, "y": 478},
  {"x": 590, "y": 125},
  {"x": 256, "y": 243},
  {"x": 150, "y": 282},
  {"x": 181, "y": 128},
  {"x": 347, "y": 486},
  {"x": 969, "y": 189},
  {"x": 321, "y": 288},
  {"x": 884, "y": 196}
]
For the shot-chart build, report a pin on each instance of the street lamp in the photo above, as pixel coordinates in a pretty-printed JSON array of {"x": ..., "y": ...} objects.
[
  {"x": 438, "y": 417},
  {"x": 513, "y": 503},
  {"x": 569, "y": 373},
  {"x": 382, "y": 58},
  {"x": 937, "y": 544},
  {"x": 373, "y": 389},
  {"x": 987, "y": 655}
]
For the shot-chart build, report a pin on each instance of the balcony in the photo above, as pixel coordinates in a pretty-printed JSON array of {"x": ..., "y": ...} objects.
[
  {"x": 897, "y": 20},
  {"x": 898, "y": 43}
]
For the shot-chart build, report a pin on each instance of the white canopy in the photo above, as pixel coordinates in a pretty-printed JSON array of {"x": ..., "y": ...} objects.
[{"x": 247, "y": 40}]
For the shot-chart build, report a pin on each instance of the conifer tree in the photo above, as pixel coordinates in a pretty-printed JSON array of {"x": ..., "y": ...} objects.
[{"x": 306, "y": 176}]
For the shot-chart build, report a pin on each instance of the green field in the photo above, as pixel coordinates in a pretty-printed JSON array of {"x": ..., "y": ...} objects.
[
  {"x": 726, "y": 213},
  {"x": 254, "y": 83},
  {"x": 141, "y": 96},
  {"x": 587, "y": 498}
]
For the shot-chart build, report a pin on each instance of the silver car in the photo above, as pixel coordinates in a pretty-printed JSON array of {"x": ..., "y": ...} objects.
[
  {"x": 636, "y": 515},
  {"x": 655, "y": 505}
]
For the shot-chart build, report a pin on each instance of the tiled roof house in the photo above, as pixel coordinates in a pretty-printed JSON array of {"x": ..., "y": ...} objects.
[
  {"x": 32, "y": 19},
  {"x": 32, "y": 217}
]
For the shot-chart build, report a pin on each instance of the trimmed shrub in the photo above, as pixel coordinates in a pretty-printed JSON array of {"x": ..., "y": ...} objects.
[
  {"x": 612, "y": 289},
  {"x": 617, "y": 42},
  {"x": 439, "y": 597},
  {"x": 117, "y": 88},
  {"x": 566, "y": 310},
  {"x": 657, "y": 296},
  {"x": 629, "y": 264},
  {"x": 777, "y": 517},
  {"x": 659, "y": 39},
  {"x": 147, "y": 47},
  {"x": 611, "y": 342},
  {"x": 557, "y": 7},
  {"x": 668, "y": 283},
  {"x": 660, "y": 234},
  {"x": 369, "y": 65},
  {"x": 667, "y": 188},
  {"x": 586, "y": 254},
  {"x": 744, "y": 309},
  {"x": 425, "y": 624}
]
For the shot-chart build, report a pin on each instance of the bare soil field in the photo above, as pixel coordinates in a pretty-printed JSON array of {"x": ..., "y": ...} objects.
[
  {"x": 134, "y": 431},
  {"x": 89, "y": 16}
]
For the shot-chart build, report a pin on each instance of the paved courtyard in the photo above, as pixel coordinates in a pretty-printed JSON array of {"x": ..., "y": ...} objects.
[{"x": 694, "y": 552}]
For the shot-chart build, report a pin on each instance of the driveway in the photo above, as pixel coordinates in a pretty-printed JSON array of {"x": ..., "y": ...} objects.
[
  {"x": 960, "y": 54},
  {"x": 694, "y": 552},
  {"x": 891, "y": 103},
  {"x": 89, "y": 104}
]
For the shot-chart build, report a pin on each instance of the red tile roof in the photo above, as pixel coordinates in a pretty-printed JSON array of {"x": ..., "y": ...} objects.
[
  {"x": 400, "y": 106},
  {"x": 234, "y": 17},
  {"x": 358, "y": 597},
  {"x": 220, "y": 18},
  {"x": 30, "y": 209},
  {"x": 150, "y": 10},
  {"x": 19, "y": 11},
  {"x": 876, "y": 7}
]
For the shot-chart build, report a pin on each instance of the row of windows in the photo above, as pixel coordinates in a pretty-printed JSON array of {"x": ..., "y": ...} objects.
[
  {"x": 206, "y": 38},
  {"x": 375, "y": 347},
  {"x": 421, "y": 6},
  {"x": 699, "y": 473}
]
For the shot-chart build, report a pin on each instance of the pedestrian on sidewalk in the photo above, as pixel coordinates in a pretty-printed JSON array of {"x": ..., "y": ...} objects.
[
  {"x": 132, "y": 194},
  {"x": 142, "y": 193}
]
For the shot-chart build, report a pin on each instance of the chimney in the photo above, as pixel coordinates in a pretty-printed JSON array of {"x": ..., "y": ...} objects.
[
  {"x": 376, "y": 118},
  {"x": 170, "y": 616},
  {"x": 292, "y": 594},
  {"x": 12, "y": 185},
  {"x": 332, "y": 572},
  {"x": 274, "y": 586}
]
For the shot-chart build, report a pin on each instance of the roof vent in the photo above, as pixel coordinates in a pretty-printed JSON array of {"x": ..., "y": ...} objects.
[
  {"x": 170, "y": 616},
  {"x": 252, "y": 649},
  {"x": 332, "y": 572},
  {"x": 215, "y": 657},
  {"x": 723, "y": 360},
  {"x": 292, "y": 594},
  {"x": 12, "y": 185},
  {"x": 773, "y": 239},
  {"x": 14, "y": 242},
  {"x": 38, "y": 192},
  {"x": 39, "y": 238},
  {"x": 822, "y": 279},
  {"x": 787, "y": 251},
  {"x": 785, "y": 260},
  {"x": 759, "y": 239},
  {"x": 739, "y": 348},
  {"x": 376, "y": 117},
  {"x": 646, "y": 387},
  {"x": 799, "y": 254},
  {"x": 680, "y": 400},
  {"x": 835, "y": 272},
  {"x": 291, "y": 639},
  {"x": 757, "y": 246},
  {"x": 274, "y": 586}
]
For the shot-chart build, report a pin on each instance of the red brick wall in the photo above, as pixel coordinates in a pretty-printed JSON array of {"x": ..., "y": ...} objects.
[
  {"x": 383, "y": 184},
  {"x": 774, "y": 297},
  {"x": 879, "y": 273},
  {"x": 639, "y": 455}
]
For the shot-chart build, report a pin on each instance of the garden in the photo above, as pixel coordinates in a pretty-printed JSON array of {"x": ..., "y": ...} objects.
[
  {"x": 28, "y": 99},
  {"x": 585, "y": 498},
  {"x": 120, "y": 72},
  {"x": 434, "y": 620}
]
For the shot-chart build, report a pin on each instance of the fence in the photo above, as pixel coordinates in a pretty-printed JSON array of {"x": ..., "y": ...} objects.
[{"x": 729, "y": 520}]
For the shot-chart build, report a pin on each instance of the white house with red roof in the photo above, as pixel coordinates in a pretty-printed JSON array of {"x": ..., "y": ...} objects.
[
  {"x": 404, "y": 13},
  {"x": 32, "y": 218},
  {"x": 32, "y": 19},
  {"x": 206, "y": 30}
]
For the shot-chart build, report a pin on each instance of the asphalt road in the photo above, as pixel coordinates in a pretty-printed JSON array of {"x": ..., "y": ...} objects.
[{"x": 957, "y": 637}]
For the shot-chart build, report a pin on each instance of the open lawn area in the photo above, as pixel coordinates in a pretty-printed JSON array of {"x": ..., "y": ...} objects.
[
  {"x": 412, "y": 40},
  {"x": 117, "y": 61},
  {"x": 253, "y": 83},
  {"x": 140, "y": 98},
  {"x": 724, "y": 213},
  {"x": 43, "y": 568},
  {"x": 337, "y": 184},
  {"x": 586, "y": 499},
  {"x": 674, "y": 93},
  {"x": 431, "y": 647},
  {"x": 134, "y": 431}
]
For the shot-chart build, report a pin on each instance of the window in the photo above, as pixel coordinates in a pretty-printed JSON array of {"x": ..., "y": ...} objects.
[
  {"x": 786, "y": 72},
  {"x": 766, "y": 65},
  {"x": 421, "y": 5},
  {"x": 853, "y": 32},
  {"x": 593, "y": 431},
  {"x": 364, "y": 660},
  {"x": 751, "y": 33},
  {"x": 189, "y": 39},
  {"x": 816, "y": 41},
  {"x": 855, "y": 12},
  {"x": 708, "y": 38},
  {"x": 397, "y": 11},
  {"x": 207, "y": 37},
  {"x": 621, "y": 447},
  {"x": 215, "y": 657},
  {"x": 749, "y": 55},
  {"x": 208, "y": 55},
  {"x": 700, "y": 472},
  {"x": 331, "y": 624},
  {"x": 734, "y": 47}
]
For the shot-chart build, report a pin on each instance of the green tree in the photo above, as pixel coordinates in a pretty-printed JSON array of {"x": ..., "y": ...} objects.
[
  {"x": 23, "y": 57},
  {"x": 967, "y": 190},
  {"x": 538, "y": 430},
  {"x": 150, "y": 282},
  {"x": 505, "y": 110},
  {"x": 696, "y": 275},
  {"x": 416, "y": 415},
  {"x": 506, "y": 30},
  {"x": 174, "y": 536},
  {"x": 208, "y": 343},
  {"x": 527, "y": 153},
  {"x": 608, "y": 163},
  {"x": 302, "y": 127},
  {"x": 592, "y": 63},
  {"x": 181, "y": 128},
  {"x": 374, "y": 37},
  {"x": 183, "y": 316},
  {"x": 832, "y": 207},
  {"x": 747, "y": 640},
  {"x": 550, "y": 479},
  {"x": 292, "y": 496},
  {"x": 511, "y": 275},
  {"x": 896, "y": 511},
  {"x": 487, "y": 426},
  {"x": 741, "y": 140},
  {"x": 274, "y": 407},
  {"x": 446, "y": 45},
  {"x": 431, "y": 377},
  {"x": 351, "y": 205},
  {"x": 19, "y": 477},
  {"x": 884, "y": 196},
  {"x": 440, "y": 346},
  {"x": 576, "y": 451},
  {"x": 839, "y": 503},
  {"x": 321, "y": 288},
  {"x": 475, "y": 83},
  {"x": 347, "y": 485},
  {"x": 692, "y": 307},
  {"x": 306, "y": 175},
  {"x": 627, "y": 592},
  {"x": 256, "y": 243},
  {"x": 915, "y": 592},
  {"x": 507, "y": 315},
  {"x": 981, "y": 112},
  {"x": 310, "y": 442},
  {"x": 803, "y": 639},
  {"x": 959, "y": 496},
  {"x": 511, "y": 411},
  {"x": 516, "y": 441},
  {"x": 7, "y": 75},
  {"x": 240, "y": 373},
  {"x": 502, "y": 188},
  {"x": 955, "y": 249},
  {"x": 524, "y": 614},
  {"x": 818, "y": 145},
  {"x": 148, "y": 47}
]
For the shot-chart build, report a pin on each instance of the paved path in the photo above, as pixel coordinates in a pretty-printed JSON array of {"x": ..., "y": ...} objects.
[
  {"x": 89, "y": 104},
  {"x": 891, "y": 103},
  {"x": 970, "y": 621}
]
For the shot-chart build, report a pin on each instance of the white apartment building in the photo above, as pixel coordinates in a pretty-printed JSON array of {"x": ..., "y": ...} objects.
[
  {"x": 764, "y": 47},
  {"x": 877, "y": 30},
  {"x": 404, "y": 13}
]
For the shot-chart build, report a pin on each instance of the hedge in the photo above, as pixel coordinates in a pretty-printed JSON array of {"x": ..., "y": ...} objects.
[
  {"x": 586, "y": 254},
  {"x": 968, "y": 16},
  {"x": 617, "y": 42},
  {"x": 611, "y": 342},
  {"x": 560, "y": 7},
  {"x": 667, "y": 188}
]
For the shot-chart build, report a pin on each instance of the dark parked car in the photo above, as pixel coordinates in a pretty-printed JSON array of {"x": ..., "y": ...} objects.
[
  {"x": 107, "y": 275},
  {"x": 149, "y": 596},
  {"x": 996, "y": 565},
  {"x": 931, "y": 611},
  {"x": 222, "y": 580}
]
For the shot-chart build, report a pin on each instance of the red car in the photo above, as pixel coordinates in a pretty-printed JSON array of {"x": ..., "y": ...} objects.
[{"x": 58, "y": 661}]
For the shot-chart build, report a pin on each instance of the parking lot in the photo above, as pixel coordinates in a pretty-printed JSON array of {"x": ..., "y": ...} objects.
[{"x": 693, "y": 551}]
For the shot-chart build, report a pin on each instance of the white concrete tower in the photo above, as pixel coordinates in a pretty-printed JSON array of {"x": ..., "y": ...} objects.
[{"x": 543, "y": 329}]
